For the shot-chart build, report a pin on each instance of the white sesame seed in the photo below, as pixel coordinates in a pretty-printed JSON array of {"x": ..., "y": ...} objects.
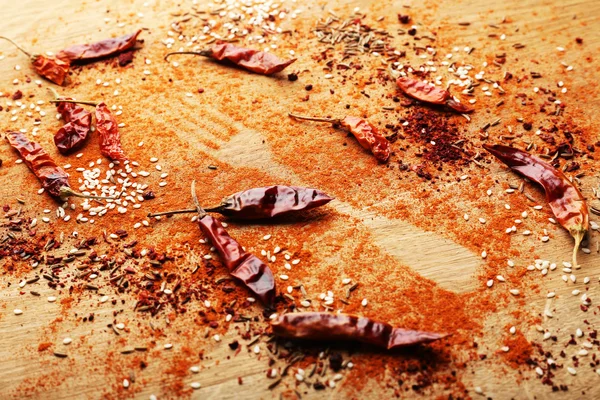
[
  {"x": 551, "y": 295},
  {"x": 579, "y": 332},
  {"x": 168, "y": 346},
  {"x": 484, "y": 254},
  {"x": 490, "y": 283},
  {"x": 195, "y": 385},
  {"x": 206, "y": 303},
  {"x": 511, "y": 263},
  {"x": 266, "y": 237},
  {"x": 295, "y": 262},
  {"x": 67, "y": 341},
  {"x": 256, "y": 349},
  {"x": 217, "y": 338},
  {"x": 572, "y": 370},
  {"x": 228, "y": 317},
  {"x": 251, "y": 299},
  {"x": 18, "y": 311},
  {"x": 305, "y": 303},
  {"x": 466, "y": 217},
  {"x": 514, "y": 292},
  {"x": 505, "y": 349},
  {"x": 513, "y": 330},
  {"x": 120, "y": 326},
  {"x": 500, "y": 278},
  {"x": 51, "y": 299},
  {"x": 478, "y": 390},
  {"x": 195, "y": 369},
  {"x": 482, "y": 220},
  {"x": 103, "y": 299},
  {"x": 539, "y": 371},
  {"x": 346, "y": 281},
  {"x": 284, "y": 277},
  {"x": 364, "y": 302},
  {"x": 125, "y": 383}
]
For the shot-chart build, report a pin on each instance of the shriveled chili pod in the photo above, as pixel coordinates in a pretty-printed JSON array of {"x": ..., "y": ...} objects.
[
  {"x": 104, "y": 48},
  {"x": 248, "y": 268},
  {"x": 429, "y": 93},
  {"x": 53, "y": 69},
  {"x": 108, "y": 131},
  {"x": 256, "y": 61},
  {"x": 71, "y": 136},
  {"x": 106, "y": 128},
  {"x": 264, "y": 202},
  {"x": 54, "y": 179},
  {"x": 366, "y": 134},
  {"x": 565, "y": 200},
  {"x": 343, "y": 327}
]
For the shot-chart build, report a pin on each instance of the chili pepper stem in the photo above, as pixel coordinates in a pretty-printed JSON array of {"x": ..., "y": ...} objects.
[
  {"x": 578, "y": 234},
  {"x": 67, "y": 191},
  {"x": 28, "y": 54},
  {"x": 317, "y": 119},
  {"x": 89, "y": 103},
  {"x": 201, "y": 212},
  {"x": 184, "y": 211},
  {"x": 205, "y": 53},
  {"x": 54, "y": 93}
]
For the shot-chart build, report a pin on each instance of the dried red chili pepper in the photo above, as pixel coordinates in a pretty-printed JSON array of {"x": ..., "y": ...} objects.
[
  {"x": 54, "y": 179},
  {"x": 264, "y": 202},
  {"x": 55, "y": 70},
  {"x": 250, "y": 59},
  {"x": 73, "y": 134},
  {"x": 101, "y": 49},
  {"x": 248, "y": 268},
  {"x": 430, "y": 94},
  {"x": 107, "y": 129},
  {"x": 565, "y": 200},
  {"x": 367, "y": 135},
  {"x": 344, "y": 327}
]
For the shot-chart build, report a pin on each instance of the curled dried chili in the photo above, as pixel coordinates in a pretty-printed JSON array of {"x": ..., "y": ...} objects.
[
  {"x": 344, "y": 327},
  {"x": 53, "y": 178},
  {"x": 256, "y": 61},
  {"x": 248, "y": 268},
  {"x": 366, "y": 134},
  {"x": 73, "y": 134},
  {"x": 53, "y": 69},
  {"x": 101, "y": 49},
  {"x": 565, "y": 200},
  {"x": 264, "y": 202},
  {"x": 429, "y": 93},
  {"x": 106, "y": 128}
]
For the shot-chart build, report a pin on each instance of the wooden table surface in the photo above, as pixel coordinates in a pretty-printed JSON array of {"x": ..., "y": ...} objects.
[{"x": 208, "y": 130}]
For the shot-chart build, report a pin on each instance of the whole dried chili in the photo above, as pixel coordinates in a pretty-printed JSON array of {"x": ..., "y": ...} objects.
[
  {"x": 108, "y": 132},
  {"x": 565, "y": 200},
  {"x": 73, "y": 134},
  {"x": 367, "y": 135},
  {"x": 429, "y": 93},
  {"x": 248, "y": 268},
  {"x": 54, "y": 179},
  {"x": 107, "y": 129},
  {"x": 264, "y": 202},
  {"x": 101, "y": 49},
  {"x": 55, "y": 70},
  {"x": 344, "y": 327},
  {"x": 250, "y": 59}
]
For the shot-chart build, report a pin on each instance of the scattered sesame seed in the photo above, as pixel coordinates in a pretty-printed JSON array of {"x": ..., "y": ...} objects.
[
  {"x": 195, "y": 385},
  {"x": 18, "y": 311},
  {"x": 266, "y": 237},
  {"x": 168, "y": 346},
  {"x": 364, "y": 302},
  {"x": 514, "y": 292},
  {"x": 67, "y": 341}
]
